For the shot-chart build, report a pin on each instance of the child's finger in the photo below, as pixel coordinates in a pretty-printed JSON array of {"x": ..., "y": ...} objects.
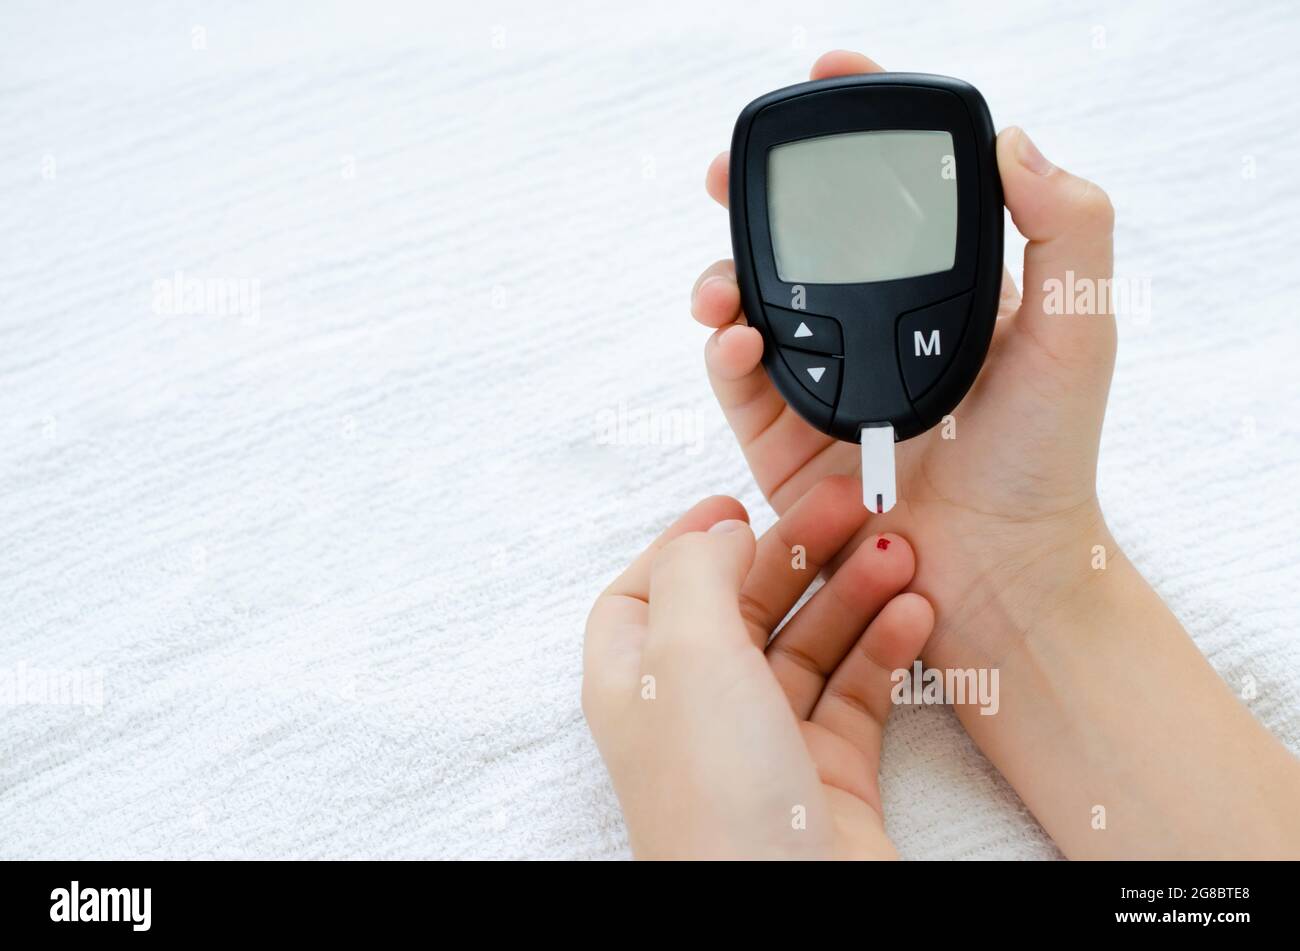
[
  {"x": 1069, "y": 223},
  {"x": 695, "y": 591},
  {"x": 615, "y": 627},
  {"x": 792, "y": 552},
  {"x": 843, "y": 63},
  {"x": 856, "y": 700},
  {"x": 717, "y": 180},
  {"x": 715, "y": 298},
  {"x": 747, "y": 397},
  {"x": 733, "y": 354},
  {"x": 634, "y": 582},
  {"x": 777, "y": 443},
  {"x": 816, "y": 639}
]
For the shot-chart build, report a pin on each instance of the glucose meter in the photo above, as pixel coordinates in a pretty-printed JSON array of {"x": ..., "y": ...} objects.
[{"x": 866, "y": 222}]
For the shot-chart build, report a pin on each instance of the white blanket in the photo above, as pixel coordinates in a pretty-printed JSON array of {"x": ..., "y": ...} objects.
[{"x": 315, "y": 547}]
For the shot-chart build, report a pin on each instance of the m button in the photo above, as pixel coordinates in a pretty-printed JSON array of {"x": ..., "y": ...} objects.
[{"x": 927, "y": 340}]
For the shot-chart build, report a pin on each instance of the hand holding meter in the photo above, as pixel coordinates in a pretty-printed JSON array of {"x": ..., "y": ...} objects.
[{"x": 866, "y": 223}]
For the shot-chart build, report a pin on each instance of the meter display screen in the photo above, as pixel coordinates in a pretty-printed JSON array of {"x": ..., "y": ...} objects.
[{"x": 860, "y": 207}]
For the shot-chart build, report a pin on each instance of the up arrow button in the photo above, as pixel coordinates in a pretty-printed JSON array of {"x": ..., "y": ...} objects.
[{"x": 805, "y": 331}]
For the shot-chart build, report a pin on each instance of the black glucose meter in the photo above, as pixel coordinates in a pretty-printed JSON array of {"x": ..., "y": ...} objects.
[{"x": 866, "y": 222}]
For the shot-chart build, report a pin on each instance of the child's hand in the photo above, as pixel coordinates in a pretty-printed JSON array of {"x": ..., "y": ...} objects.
[
  {"x": 1010, "y": 502},
  {"x": 719, "y": 748},
  {"x": 1106, "y": 707}
]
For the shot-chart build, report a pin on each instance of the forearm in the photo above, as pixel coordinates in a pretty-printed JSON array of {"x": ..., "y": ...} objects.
[{"x": 1122, "y": 739}]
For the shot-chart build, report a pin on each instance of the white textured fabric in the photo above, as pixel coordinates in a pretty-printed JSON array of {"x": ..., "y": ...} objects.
[{"x": 333, "y": 554}]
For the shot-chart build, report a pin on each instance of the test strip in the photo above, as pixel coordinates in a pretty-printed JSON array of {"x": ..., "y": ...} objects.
[{"x": 879, "y": 492}]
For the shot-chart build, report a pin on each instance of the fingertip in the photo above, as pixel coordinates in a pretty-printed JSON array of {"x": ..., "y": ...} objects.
[
  {"x": 1026, "y": 187},
  {"x": 876, "y": 571},
  {"x": 734, "y": 351},
  {"x": 717, "y": 178},
  {"x": 695, "y": 561},
  {"x": 901, "y": 630},
  {"x": 1021, "y": 147},
  {"x": 918, "y": 614},
  {"x": 719, "y": 508},
  {"x": 1028, "y": 193},
  {"x": 741, "y": 546},
  {"x": 729, "y": 525},
  {"x": 1047, "y": 201},
  {"x": 893, "y": 557},
  {"x": 716, "y": 301},
  {"x": 843, "y": 63}
]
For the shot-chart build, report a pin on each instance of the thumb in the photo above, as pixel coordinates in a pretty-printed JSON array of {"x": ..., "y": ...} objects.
[
  {"x": 1069, "y": 223},
  {"x": 695, "y": 589}
]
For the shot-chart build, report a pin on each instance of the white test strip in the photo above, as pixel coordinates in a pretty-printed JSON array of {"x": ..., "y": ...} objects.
[{"x": 879, "y": 492}]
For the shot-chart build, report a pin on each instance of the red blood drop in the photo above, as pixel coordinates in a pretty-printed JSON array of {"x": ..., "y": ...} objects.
[{"x": 882, "y": 544}]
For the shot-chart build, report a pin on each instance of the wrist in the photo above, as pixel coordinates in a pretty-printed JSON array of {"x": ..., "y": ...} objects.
[
  {"x": 1106, "y": 708},
  {"x": 1021, "y": 578}
]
